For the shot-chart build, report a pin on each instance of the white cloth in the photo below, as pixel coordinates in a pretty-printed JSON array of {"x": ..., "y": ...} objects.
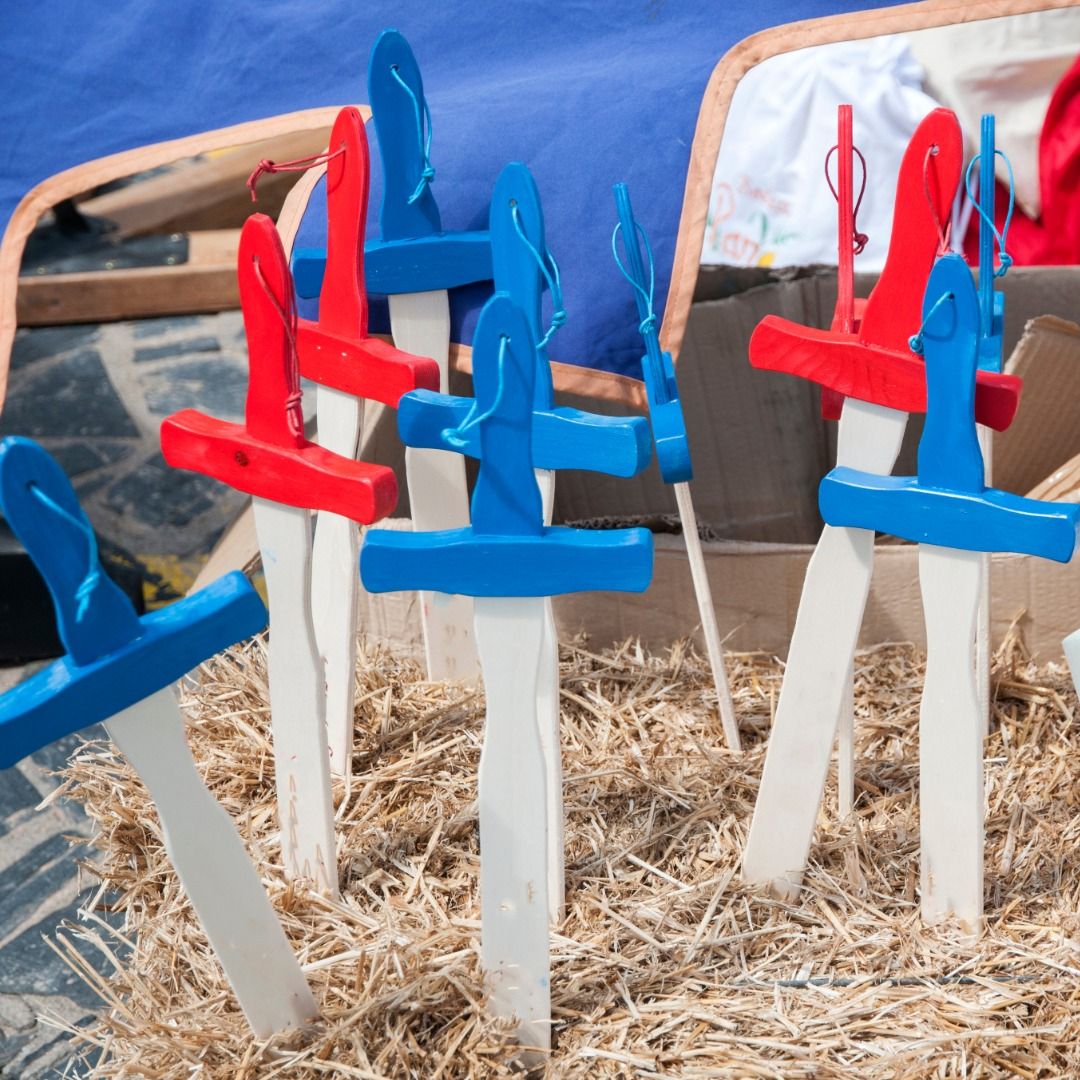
[
  {"x": 1009, "y": 67},
  {"x": 770, "y": 204}
]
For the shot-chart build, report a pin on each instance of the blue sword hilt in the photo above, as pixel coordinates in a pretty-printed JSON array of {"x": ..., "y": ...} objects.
[
  {"x": 657, "y": 366},
  {"x": 563, "y": 438},
  {"x": 948, "y": 504},
  {"x": 413, "y": 253},
  {"x": 114, "y": 658},
  {"x": 507, "y": 550}
]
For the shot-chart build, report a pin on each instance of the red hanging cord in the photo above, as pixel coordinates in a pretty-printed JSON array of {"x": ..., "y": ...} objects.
[
  {"x": 944, "y": 231},
  {"x": 859, "y": 240},
  {"x": 296, "y": 165}
]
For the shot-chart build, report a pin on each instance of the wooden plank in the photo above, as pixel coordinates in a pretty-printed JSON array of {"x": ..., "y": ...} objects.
[
  {"x": 238, "y": 549},
  {"x": 205, "y": 283},
  {"x": 204, "y": 192},
  {"x": 210, "y": 247},
  {"x": 1062, "y": 485}
]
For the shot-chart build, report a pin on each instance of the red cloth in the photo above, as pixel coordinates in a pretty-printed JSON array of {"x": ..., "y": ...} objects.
[{"x": 1053, "y": 239}]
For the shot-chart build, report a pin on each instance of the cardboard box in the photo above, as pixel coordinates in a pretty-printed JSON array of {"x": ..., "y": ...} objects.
[
  {"x": 756, "y": 589},
  {"x": 760, "y": 448}
]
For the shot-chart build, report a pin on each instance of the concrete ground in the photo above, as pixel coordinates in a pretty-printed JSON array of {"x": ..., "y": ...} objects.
[{"x": 95, "y": 396}]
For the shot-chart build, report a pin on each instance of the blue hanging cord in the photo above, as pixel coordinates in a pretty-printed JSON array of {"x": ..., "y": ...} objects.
[
  {"x": 423, "y": 124},
  {"x": 649, "y": 322},
  {"x": 93, "y": 574},
  {"x": 558, "y": 314},
  {"x": 455, "y": 436},
  {"x": 915, "y": 342},
  {"x": 1001, "y": 237}
]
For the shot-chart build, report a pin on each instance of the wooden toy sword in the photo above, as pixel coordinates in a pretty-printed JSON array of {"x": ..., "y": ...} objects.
[
  {"x": 415, "y": 262},
  {"x": 350, "y": 368},
  {"x": 881, "y": 381},
  {"x": 948, "y": 510},
  {"x": 563, "y": 438},
  {"x": 119, "y": 669},
  {"x": 269, "y": 458},
  {"x": 511, "y": 562},
  {"x": 672, "y": 444}
]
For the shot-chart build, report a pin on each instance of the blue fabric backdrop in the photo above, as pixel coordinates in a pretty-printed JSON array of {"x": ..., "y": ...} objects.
[{"x": 585, "y": 92}]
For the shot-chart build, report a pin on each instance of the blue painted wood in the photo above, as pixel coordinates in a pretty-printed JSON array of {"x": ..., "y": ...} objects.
[
  {"x": 394, "y": 266},
  {"x": 308, "y": 267},
  {"x": 948, "y": 504},
  {"x": 991, "y": 302},
  {"x": 64, "y": 551},
  {"x": 990, "y": 520},
  {"x": 949, "y": 455},
  {"x": 658, "y": 369},
  {"x": 412, "y": 254},
  {"x": 444, "y": 262},
  {"x": 408, "y": 208},
  {"x": 114, "y": 659},
  {"x": 507, "y": 551},
  {"x": 516, "y": 212},
  {"x": 563, "y": 438}
]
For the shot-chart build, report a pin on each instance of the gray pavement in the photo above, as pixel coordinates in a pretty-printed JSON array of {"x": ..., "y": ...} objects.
[{"x": 95, "y": 396}]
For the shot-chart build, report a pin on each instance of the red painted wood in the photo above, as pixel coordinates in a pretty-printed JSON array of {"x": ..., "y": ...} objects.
[
  {"x": 306, "y": 476},
  {"x": 853, "y": 368},
  {"x": 273, "y": 410},
  {"x": 372, "y": 369},
  {"x": 844, "y": 315},
  {"x": 336, "y": 351},
  {"x": 343, "y": 308},
  {"x": 894, "y": 307},
  {"x": 875, "y": 362},
  {"x": 267, "y": 455},
  {"x": 843, "y": 320}
]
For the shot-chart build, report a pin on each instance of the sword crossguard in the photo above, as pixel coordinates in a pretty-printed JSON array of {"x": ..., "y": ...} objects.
[
  {"x": 336, "y": 351},
  {"x": 948, "y": 504},
  {"x": 563, "y": 438},
  {"x": 114, "y": 658},
  {"x": 875, "y": 363},
  {"x": 268, "y": 455},
  {"x": 507, "y": 551}
]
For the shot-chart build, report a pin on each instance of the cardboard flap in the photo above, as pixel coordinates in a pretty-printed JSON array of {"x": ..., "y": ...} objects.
[{"x": 1046, "y": 432}]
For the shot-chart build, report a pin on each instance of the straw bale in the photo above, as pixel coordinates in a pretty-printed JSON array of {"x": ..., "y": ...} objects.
[{"x": 664, "y": 963}]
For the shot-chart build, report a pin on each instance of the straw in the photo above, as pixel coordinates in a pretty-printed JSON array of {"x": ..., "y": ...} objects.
[{"x": 664, "y": 963}]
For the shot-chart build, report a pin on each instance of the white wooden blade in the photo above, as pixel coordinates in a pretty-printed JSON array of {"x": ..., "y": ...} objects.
[
  {"x": 869, "y": 437},
  {"x": 982, "y": 632},
  {"x": 548, "y": 725},
  {"x": 819, "y": 666},
  {"x": 214, "y": 869},
  {"x": 335, "y": 582},
  {"x": 549, "y": 730},
  {"x": 951, "y": 739},
  {"x": 845, "y": 748},
  {"x": 438, "y": 494},
  {"x": 513, "y": 818},
  {"x": 707, "y": 615},
  {"x": 1071, "y": 647},
  {"x": 812, "y": 695},
  {"x": 297, "y": 698}
]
